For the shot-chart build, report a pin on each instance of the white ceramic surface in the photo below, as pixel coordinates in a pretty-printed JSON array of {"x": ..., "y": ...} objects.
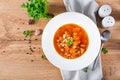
[
  {"x": 105, "y": 10},
  {"x": 108, "y": 22},
  {"x": 71, "y": 64}
]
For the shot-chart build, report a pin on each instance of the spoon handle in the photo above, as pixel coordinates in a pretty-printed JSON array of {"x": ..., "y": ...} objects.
[{"x": 97, "y": 58}]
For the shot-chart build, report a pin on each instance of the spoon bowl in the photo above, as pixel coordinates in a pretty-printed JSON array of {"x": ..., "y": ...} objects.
[{"x": 105, "y": 36}]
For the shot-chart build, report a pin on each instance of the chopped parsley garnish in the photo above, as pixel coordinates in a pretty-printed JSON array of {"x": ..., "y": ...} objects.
[
  {"x": 27, "y": 33},
  {"x": 69, "y": 42}
]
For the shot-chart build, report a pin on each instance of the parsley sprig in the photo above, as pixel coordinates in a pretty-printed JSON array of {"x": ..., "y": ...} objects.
[
  {"x": 69, "y": 42},
  {"x": 37, "y": 9},
  {"x": 104, "y": 50},
  {"x": 43, "y": 57},
  {"x": 85, "y": 69},
  {"x": 27, "y": 33}
]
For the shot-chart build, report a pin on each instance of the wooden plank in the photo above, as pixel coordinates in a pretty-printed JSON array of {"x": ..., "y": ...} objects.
[
  {"x": 17, "y": 62},
  {"x": 110, "y": 62}
]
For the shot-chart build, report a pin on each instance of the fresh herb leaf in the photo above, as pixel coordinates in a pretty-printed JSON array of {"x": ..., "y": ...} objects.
[
  {"x": 69, "y": 41},
  {"x": 85, "y": 69},
  {"x": 49, "y": 15},
  {"x": 27, "y": 33},
  {"x": 23, "y": 5},
  {"x": 37, "y": 9},
  {"x": 104, "y": 50},
  {"x": 43, "y": 57}
]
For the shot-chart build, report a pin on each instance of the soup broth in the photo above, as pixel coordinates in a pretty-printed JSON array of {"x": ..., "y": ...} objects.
[{"x": 71, "y": 41}]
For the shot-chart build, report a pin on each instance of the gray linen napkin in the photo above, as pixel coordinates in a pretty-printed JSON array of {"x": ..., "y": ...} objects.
[{"x": 87, "y": 7}]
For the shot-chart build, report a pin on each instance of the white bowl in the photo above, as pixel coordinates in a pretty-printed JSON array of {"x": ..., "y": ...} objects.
[{"x": 71, "y": 64}]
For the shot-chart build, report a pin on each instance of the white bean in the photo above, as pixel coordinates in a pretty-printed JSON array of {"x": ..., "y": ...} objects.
[
  {"x": 62, "y": 50},
  {"x": 64, "y": 36},
  {"x": 74, "y": 47}
]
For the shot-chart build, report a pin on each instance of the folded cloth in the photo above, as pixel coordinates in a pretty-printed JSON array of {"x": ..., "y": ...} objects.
[{"x": 89, "y": 8}]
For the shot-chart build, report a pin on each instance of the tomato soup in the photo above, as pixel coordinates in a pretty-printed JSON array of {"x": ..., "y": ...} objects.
[{"x": 71, "y": 41}]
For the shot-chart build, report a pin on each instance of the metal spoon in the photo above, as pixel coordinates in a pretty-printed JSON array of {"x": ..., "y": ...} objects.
[{"x": 105, "y": 36}]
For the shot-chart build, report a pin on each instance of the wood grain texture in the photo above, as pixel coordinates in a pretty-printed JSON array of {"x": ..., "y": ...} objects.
[
  {"x": 17, "y": 62},
  {"x": 110, "y": 62}
]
